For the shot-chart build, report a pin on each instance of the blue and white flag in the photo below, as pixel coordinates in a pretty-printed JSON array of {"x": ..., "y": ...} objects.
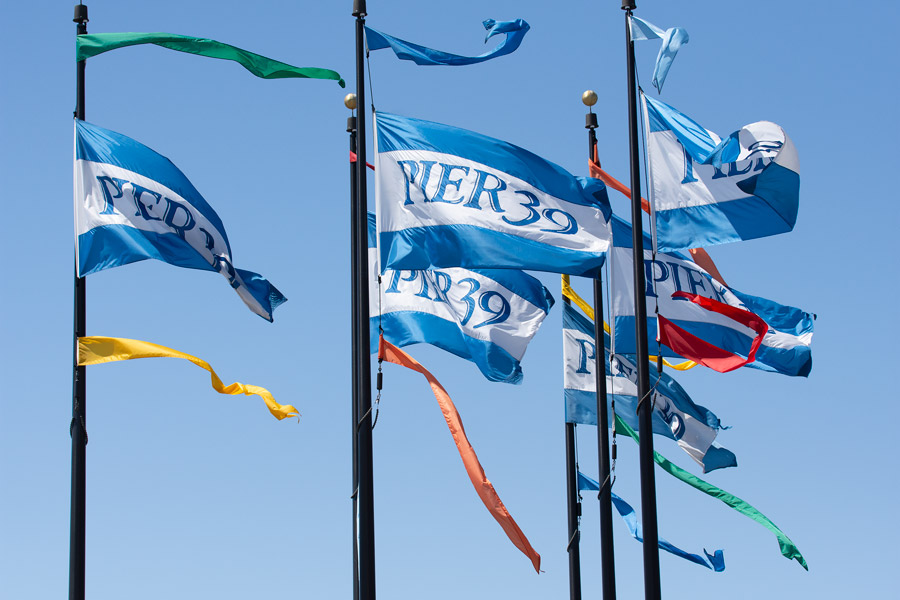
[
  {"x": 132, "y": 204},
  {"x": 706, "y": 190},
  {"x": 448, "y": 197},
  {"x": 714, "y": 561},
  {"x": 422, "y": 55},
  {"x": 672, "y": 41},
  {"x": 786, "y": 346},
  {"x": 675, "y": 415},
  {"x": 487, "y": 316}
]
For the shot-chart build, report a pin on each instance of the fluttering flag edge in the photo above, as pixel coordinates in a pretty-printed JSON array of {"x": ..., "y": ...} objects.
[
  {"x": 90, "y": 45},
  {"x": 96, "y": 350},
  {"x": 788, "y": 549},
  {"x": 483, "y": 487}
]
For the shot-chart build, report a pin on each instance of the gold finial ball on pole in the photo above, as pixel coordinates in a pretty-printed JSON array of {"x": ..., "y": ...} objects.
[
  {"x": 350, "y": 101},
  {"x": 589, "y": 98}
]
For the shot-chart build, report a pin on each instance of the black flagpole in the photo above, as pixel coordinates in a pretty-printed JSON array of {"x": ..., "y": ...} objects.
[
  {"x": 573, "y": 505},
  {"x": 574, "y": 511},
  {"x": 350, "y": 102},
  {"x": 652, "y": 589},
  {"x": 77, "y": 429},
  {"x": 361, "y": 311},
  {"x": 607, "y": 555}
]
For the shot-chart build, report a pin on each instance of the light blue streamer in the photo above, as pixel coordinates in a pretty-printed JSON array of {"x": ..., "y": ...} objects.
[
  {"x": 422, "y": 55},
  {"x": 716, "y": 560},
  {"x": 672, "y": 41}
]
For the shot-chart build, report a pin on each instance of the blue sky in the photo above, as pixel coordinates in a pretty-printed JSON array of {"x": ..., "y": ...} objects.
[{"x": 194, "y": 494}]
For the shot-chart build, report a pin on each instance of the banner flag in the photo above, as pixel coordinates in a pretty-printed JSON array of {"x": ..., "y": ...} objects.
[
  {"x": 700, "y": 256},
  {"x": 581, "y": 303},
  {"x": 132, "y": 204},
  {"x": 487, "y": 316},
  {"x": 714, "y": 561},
  {"x": 788, "y": 549},
  {"x": 706, "y": 190},
  {"x": 672, "y": 41},
  {"x": 96, "y": 350},
  {"x": 515, "y": 31},
  {"x": 483, "y": 487},
  {"x": 87, "y": 46},
  {"x": 448, "y": 197},
  {"x": 675, "y": 415},
  {"x": 785, "y": 347}
]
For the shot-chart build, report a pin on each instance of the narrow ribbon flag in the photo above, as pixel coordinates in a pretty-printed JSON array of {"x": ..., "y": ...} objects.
[
  {"x": 96, "y": 350},
  {"x": 714, "y": 561},
  {"x": 448, "y": 197},
  {"x": 672, "y": 41},
  {"x": 421, "y": 55},
  {"x": 487, "y": 316},
  {"x": 788, "y": 549},
  {"x": 93, "y": 44},
  {"x": 132, "y": 203},
  {"x": 483, "y": 486}
]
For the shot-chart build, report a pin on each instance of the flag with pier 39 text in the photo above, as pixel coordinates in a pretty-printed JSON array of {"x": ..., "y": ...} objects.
[
  {"x": 132, "y": 203},
  {"x": 706, "y": 190},
  {"x": 448, "y": 197},
  {"x": 487, "y": 316}
]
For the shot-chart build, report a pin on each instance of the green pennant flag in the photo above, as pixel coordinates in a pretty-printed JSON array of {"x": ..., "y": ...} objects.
[
  {"x": 788, "y": 549},
  {"x": 90, "y": 45}
]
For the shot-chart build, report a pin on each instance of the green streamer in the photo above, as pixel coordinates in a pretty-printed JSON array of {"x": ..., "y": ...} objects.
[
  {"x": 788, "y": 549},
  {"x": 87, "y": 46}
]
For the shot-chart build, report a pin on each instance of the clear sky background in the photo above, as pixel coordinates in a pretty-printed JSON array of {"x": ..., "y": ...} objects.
[{"x": 196, "y": 495}]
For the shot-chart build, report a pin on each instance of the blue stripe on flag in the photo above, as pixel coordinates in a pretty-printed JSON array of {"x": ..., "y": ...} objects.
[
  {"x": 100, "y": 145},
  {"x": 455, "y": 245},
  {"x": 779, "y": 187},
  {"x": 116, "y": 245},
  {"x": 718, "y": 335},
  {"x": 745, "y": 218},
  {"x": 717, "y": 457},
  {"x": 370, "y": 230},
  {"x": 406, "y": 133},
  {"x": 796, "y": 361},
  {"x": 691, "y": 134},
  {"x": 404, "y": 328},
  {"x": 778, "y": 316}
]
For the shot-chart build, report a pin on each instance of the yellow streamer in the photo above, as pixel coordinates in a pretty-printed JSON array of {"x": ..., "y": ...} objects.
[
  {"x": 95, "y": 350},
  {"x": 572, "y": 295}
]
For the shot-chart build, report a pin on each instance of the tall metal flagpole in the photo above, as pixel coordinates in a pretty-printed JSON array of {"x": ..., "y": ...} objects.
[
  {"x": 652, "y": 589},
  {"x": 607, "y": 555},
  {"x": 574, "y": 511},
  {"x": 350, "y": 102},
  {"x": 361, "y": 310},
  {"x": 77, "y": 429},
  {"x": 573, "y": 505}
]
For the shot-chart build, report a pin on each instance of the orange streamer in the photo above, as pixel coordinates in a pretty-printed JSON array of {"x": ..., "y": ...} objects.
[
  {"x": 598, "y": 173},
  {"x": 484, "y": 488}
]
